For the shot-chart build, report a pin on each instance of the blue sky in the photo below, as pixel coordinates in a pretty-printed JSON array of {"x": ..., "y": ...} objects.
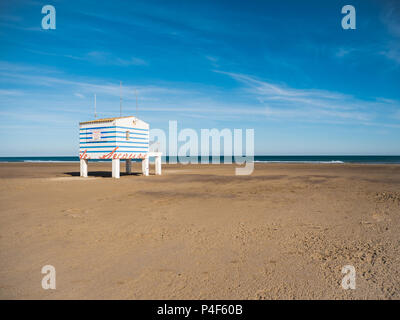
[{"x": 285, "y": 68}]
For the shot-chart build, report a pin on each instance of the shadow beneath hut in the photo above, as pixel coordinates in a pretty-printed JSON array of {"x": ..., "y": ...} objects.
[{"x": 102, "y": 174}]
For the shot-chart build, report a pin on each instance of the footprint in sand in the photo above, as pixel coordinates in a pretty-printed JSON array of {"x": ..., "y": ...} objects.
[
  {"x": 74, "y": 213},
  {"x": 379, "y": 217}
]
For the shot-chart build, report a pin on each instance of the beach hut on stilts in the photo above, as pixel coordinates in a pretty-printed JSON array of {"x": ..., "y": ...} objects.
[{"x": 116, "y": 139}]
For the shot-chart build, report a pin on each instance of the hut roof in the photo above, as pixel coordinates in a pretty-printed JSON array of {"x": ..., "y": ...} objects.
[{"x": 104, "y": 120}]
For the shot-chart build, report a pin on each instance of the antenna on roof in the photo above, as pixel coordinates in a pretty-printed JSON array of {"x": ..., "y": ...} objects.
[
  {"x": 95, "y": 113},
  {"x": 136, "y": 104},
  {"x": 120, "y": 98}
]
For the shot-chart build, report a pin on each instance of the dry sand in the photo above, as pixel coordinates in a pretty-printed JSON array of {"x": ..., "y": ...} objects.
[{"x": 200, "y": 232}]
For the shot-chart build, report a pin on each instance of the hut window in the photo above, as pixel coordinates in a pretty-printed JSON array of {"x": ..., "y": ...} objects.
[{"x": 127, "y": 135}]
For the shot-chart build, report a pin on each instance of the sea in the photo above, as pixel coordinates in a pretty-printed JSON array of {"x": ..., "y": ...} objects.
[{"x": 372, "y": 159}]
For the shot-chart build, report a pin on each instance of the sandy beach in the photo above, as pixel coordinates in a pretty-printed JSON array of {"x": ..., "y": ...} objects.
[{"x": 200, "y": 232}]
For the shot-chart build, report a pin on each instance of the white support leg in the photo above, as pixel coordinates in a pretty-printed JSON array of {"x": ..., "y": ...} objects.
[
  {"x": 115, "y": 168},
  {"x": 128, "y": 165},
  {"x": 145, "y": 166},
  {"x": 158, "y": 165},
  {"x": 84, "y": 168}
]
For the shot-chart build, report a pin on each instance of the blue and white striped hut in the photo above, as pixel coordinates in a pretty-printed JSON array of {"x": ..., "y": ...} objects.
[{"x": 121, "y": 138}]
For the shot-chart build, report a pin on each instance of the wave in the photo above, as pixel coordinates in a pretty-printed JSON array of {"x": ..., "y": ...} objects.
[
  {"x": 298, "y": 161},
  {"x": 46, "y": 161},
  {"x": 335, "y": 159}
]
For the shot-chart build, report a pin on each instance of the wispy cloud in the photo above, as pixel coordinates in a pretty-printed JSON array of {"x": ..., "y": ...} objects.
[
  {"x": 283, "y": 102},
  {"x": 391, "y": 17},
  {"x": 10, "y": 18},
  {"x": 387, "y": 45},
  {"x": 79, "y": 95},
  {"x": 342, "y": 52},
  {"x": 392, "y": 52},
  {"x": 5, "y": 92},
  {"x": 213, "y": 61},
  {"x": 97, "y": 57},
  {"x": 254, "y": 100},
  {"x": 32, "y": 77},
  {"x": 109, "y": 59}
]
